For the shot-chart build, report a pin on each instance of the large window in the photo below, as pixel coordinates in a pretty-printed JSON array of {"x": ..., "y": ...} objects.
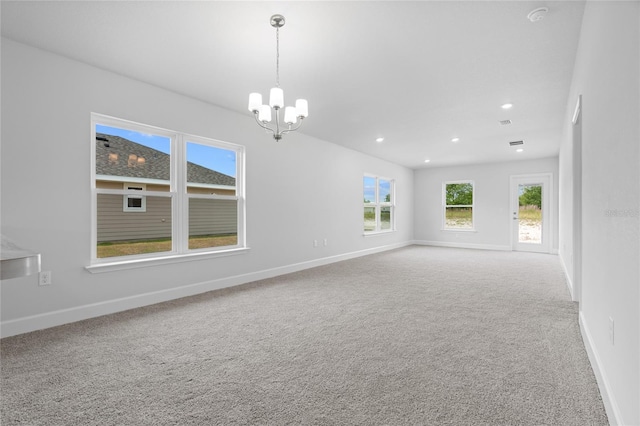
[
  {"x": 458, "y": 205},
  {"x": 160, "y": 193},
  {"x": 379, "y": 201}
]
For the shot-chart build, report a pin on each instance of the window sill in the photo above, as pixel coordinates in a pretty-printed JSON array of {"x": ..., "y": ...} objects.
[
  {"x": 377, "y": 233},
  {"x": 161, "y": 260}
]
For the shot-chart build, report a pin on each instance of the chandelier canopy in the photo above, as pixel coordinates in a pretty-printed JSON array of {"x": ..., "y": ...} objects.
[{"x": 293, "y": 115}]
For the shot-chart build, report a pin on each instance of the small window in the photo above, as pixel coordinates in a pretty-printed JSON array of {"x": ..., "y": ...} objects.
[
  {"x": 379, "y": 204},
  {"x": 458, "y": 205},
  {"x": 134, "y": 203}
]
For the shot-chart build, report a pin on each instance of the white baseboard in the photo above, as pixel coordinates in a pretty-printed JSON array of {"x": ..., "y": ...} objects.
[
  {"x": 568, "y": 277},
  {"x": 462, "y": 245},
  {"x": 79, "y": 313},
  {"x": 610, "y": 406}
]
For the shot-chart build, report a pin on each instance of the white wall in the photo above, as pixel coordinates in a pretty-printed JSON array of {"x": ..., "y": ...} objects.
[
  {"x": 567, "y": 200},
  {"x": 492, "y": 216},
  {"x": 606, "y": 75},
  {"x": 298, "y": 190}
]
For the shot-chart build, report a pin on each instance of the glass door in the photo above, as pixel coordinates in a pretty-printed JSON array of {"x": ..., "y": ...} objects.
[{"x": 530, "y": 203}]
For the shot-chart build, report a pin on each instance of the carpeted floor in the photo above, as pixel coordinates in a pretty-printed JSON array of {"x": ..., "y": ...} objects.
[{"x": 415, "y": 336}]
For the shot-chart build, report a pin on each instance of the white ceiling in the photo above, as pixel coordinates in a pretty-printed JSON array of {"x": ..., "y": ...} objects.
[{"x": 417, "y": 73}]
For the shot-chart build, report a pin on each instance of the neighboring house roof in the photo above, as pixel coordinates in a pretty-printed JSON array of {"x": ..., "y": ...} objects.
[{"x": 114, "y": 158}]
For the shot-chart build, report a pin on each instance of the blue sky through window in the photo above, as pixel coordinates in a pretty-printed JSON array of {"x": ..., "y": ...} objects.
[
  {"x": 218, "y": 159},
  {"x": 211, "y": 157},
  {"x": 369, "y": 189},
  {"x": 385, "y": 190}
]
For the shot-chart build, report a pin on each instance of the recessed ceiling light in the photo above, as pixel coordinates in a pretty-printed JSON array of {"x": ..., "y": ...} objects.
[
  {"x": 379, "y": 139},
  {"x": 426, "y": 161},
  {"x": 507, "y": 106},
  {"x": 519, "y": 149},
  {"x": 454, "y": 140}
]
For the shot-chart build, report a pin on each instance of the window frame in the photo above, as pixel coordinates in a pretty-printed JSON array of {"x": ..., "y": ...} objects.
[
  {"x": 378, "y": 205},
  {"x": 445, "y": 206},
  {"x": 178, "y": 194}
]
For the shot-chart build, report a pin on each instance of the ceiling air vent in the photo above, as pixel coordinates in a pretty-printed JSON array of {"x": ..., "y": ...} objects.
[
  {"x": 505, "y": 122},
  {"x": 514, "y": 143}
]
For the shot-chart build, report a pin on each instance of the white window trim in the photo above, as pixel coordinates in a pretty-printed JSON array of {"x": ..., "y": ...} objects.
[
  {"x": 127, "y": 186},
  {"x": 378, "y": 205},
  {"x": 177, "y": 192},
  {"x": 444, "y": 207},
  {"x": 161, "y": 260},
  {"x": 127, "y": 179}
]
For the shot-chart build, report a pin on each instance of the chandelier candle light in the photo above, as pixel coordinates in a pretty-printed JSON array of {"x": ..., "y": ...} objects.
[{"x": 262, "y": 113}]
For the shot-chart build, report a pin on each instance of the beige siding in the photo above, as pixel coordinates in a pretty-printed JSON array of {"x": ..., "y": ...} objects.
[
  {"x": 208, "y": 191},
  {"x": 115, "y": 224},
  {"x": 105, "y": 184},
  {"x": 208, "y": 217},
  {"x": 157, "y": 188}
]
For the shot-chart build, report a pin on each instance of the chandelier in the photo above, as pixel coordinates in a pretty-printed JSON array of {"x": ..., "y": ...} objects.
[{"x": 262, "y": 113}]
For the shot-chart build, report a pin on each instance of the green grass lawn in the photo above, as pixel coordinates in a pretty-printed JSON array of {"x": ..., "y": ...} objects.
[
  {"x": 370, "y": 220},
  {"x": 462, "y": 217},
  {"x": 530, "y": 215},
  {"x": 127, "y": 248}
]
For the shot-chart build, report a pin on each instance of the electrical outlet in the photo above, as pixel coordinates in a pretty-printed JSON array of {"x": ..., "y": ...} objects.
[
  {"x": 44, "y": 278},
  {"x": 611, "y": 331},
  {"x": 315, "y": 243},
  {"x": 326, "y": 243}
]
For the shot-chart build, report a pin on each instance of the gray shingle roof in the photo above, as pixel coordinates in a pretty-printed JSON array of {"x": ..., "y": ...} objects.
[{"x": 112, "y": 159}]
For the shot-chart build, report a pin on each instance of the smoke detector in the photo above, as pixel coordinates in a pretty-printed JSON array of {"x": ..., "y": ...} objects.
[{"x": 537, "y": 14}]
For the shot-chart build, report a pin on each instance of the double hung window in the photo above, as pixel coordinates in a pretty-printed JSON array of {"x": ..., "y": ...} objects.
[
  {"x": 457, "y": 203},
  {"x": 379, "y": 204},
  {"x": 159, "y": 193}
]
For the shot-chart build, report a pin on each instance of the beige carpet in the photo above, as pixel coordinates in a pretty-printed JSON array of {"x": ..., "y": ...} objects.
[{"x": 415, "y": 336}]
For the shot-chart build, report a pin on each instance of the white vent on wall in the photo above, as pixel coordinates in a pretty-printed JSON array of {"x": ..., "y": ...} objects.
[
  {"x": 514, "y": 143},
  {"x": 505, "y": 122}
]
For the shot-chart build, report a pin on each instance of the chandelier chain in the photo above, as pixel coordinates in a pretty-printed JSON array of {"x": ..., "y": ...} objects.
[{"x": 277, "y": 57}]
